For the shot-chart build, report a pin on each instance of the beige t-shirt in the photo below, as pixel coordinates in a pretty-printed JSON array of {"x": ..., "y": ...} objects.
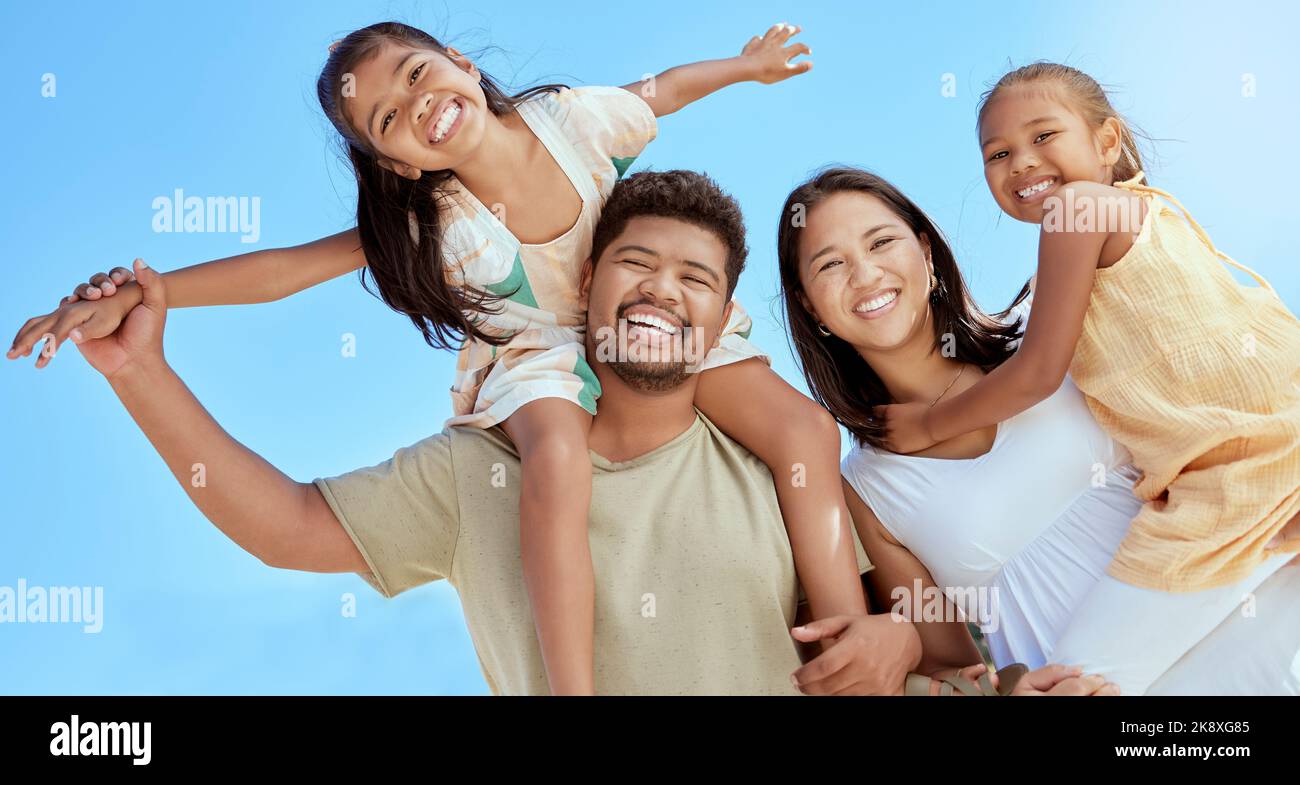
[{"x": 695, "y": 581}]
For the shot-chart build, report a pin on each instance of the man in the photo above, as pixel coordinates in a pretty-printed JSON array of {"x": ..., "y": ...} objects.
[{"x": 696, "y": 588}]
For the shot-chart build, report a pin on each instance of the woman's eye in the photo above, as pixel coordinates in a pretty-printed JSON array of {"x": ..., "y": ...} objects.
[
  {"x": 828, "y": 265},
  {"x": 881, "y": 242},
  {"x": 383, "y": 125},
  {"x": 1043, "y": 136},
  {"x": 416, "y": 73}
]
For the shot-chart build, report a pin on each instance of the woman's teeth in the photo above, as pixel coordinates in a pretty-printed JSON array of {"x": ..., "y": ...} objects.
[
  {"x": 1033, "y": 189},
  {"x": 449, "y": 116},
  {"x": 875, "y": 304}
]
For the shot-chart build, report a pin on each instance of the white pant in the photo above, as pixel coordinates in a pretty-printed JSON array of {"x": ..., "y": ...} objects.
[{"x": 1238, "y": 639}]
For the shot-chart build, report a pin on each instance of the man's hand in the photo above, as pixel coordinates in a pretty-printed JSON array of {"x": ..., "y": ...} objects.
[
  {"x": 906, "y": 430},
  {"x": 769, "y": 58},
  {"x": 139, "y": 340},
  {"x": 867, "y": 655}
]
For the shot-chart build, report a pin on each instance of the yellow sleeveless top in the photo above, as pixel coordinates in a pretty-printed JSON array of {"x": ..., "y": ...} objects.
[{"x": 1199, "y": 377}]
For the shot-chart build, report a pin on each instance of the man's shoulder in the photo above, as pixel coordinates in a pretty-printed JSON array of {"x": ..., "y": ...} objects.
[{"x": 468, "y": 442}]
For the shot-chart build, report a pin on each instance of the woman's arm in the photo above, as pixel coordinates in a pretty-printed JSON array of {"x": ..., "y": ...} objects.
[
  {"x": 944, "y": 645},
  {"x": 764, "y": 59}
]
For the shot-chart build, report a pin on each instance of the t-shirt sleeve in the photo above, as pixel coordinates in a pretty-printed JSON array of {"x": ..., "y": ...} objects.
[
  {"x": 402, "y": 514},
  {"x": 618, "y": 122}
]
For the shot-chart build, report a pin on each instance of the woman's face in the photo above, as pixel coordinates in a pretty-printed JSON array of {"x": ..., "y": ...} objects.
[
  {"x": 422, "y": 110},
  {"x": 865, "y": 274}
]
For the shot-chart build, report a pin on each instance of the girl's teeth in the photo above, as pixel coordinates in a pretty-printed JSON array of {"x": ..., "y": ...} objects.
[
  {"x": 877, "y": 303},
  {"x": 1033, "y": 189},
  {"x": 448, "y": 117}
]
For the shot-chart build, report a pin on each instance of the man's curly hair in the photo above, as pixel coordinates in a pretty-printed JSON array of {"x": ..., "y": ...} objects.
[{"x": 687, "y": 196}]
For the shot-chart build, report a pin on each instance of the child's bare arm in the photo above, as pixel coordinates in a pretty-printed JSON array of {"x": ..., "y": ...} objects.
[
  {"x": 764, "y": 59},
  {"x": 262, "y": 276},
  {"x": 1067, "y": 265}
]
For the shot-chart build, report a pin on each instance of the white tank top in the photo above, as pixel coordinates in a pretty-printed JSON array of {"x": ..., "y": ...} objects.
[{"x": 1018, "y": 536}]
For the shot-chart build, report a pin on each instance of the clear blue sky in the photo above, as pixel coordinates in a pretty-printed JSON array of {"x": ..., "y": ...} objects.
[{"x": 218, "y": 99}]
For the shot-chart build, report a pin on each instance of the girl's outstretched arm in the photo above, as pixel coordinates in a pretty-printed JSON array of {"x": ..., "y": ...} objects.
[
  {"x": 97, "y": 308},
  {"x": 800, "y": 443},
  {"x": 765, "y": 59},
  {"x": 1067, "y": 263}
]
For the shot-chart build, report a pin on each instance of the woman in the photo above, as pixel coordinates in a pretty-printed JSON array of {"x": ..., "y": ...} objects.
[{"x": 1017, "y": 522}]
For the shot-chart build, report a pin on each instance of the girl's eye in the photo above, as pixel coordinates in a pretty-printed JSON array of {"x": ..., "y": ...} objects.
[
  {"x": 383, "y": 124},
  {"x": 999, "y": 154},
  {"x": 882, "y": 241},
  {"x": 1043, "y": 136},
  {"x": 416, "y": 73}
]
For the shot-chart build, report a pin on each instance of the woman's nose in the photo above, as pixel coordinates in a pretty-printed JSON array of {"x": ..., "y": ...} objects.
[{"x": 865, "y": 274}]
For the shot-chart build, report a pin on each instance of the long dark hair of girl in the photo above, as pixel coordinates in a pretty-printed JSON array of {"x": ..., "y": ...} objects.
[
  {"x": 837, "y": 376},
  {"x": 397, "y": 218}
]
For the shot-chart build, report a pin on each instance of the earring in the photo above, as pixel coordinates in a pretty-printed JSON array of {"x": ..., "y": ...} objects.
[
  {"x": 821, "y": 328},
  {"x": 936, "y": 290}
]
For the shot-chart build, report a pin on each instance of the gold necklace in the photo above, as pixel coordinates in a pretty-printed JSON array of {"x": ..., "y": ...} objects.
[{"x": 960, "y": 371}]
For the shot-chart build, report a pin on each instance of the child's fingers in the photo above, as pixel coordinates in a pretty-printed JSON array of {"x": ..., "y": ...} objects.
[
  {"x": 29, "y": 334},
  {"x": 65, "y": 324},
  {"x": 121, "y": 275},
  {"x": 88, "y": 292},
  {"x": 794, "y": 50}
]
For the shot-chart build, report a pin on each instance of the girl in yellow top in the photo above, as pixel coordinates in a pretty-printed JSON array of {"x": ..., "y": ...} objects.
[{"x": 1196, "y": 374}]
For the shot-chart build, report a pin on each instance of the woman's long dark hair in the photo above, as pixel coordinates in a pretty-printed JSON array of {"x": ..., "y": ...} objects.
[
  {"x": 392, "y": 210},
  {"x": 837, "y": 376}
]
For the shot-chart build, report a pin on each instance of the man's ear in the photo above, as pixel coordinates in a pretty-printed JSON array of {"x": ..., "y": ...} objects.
[
  {"x": 462, "y": 62},
  {"x": 726, "y": 317},
  {"x": 1110, "y": 138},
  {"x": 584, "y": 284},
  {"x": 401, "y": 169}
]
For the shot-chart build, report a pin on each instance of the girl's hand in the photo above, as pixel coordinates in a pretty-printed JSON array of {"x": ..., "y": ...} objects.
[
  {"x": 90, "y": 319},
  {"x": 769, "y": 57},
  {"x": 100, "y": 285},
  {"x": 906, "y": 427},
  {"x": 1060, "y": 680}
]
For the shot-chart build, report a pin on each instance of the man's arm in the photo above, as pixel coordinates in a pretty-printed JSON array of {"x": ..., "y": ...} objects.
[{"x": 281, "y": 522}]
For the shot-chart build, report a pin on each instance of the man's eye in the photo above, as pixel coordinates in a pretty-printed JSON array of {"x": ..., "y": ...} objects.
[
  {"x": 880, "y": 242},
  {"x": 638, "y": 264},
  {"x": 383, "y": 124},
  {"x": 697, "y": 280},
  {"x": 416, "y": 73},
  {"x": 1043, "y": 136}
]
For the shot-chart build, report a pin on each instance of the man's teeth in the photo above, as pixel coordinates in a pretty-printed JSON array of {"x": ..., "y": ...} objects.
[
  {"x": 449, "y": 116},
  {"x": 1033, "y": 189},
  {"x": 877, "y": 303},
  {"x": 653, "y": 321}
]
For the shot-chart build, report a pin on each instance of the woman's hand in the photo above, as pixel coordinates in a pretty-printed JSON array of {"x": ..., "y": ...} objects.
[
  {"x": 906, "y": 427},
  {"x": 769, "y": 58},
  {"x": 1062, "y": 680}
]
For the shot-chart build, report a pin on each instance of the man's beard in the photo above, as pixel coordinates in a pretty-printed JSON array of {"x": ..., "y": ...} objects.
[{"x": 649, "y": 375}]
